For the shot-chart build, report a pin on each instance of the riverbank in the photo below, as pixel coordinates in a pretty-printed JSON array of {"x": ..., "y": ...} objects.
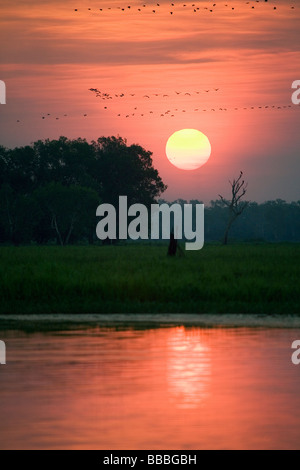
[{"x": 60, "y": 322}]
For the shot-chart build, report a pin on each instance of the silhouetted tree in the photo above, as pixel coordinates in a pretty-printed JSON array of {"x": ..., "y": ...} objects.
[
  {"x": 235, "y": 205},
  {"x": 122, "y": 170},
  {"x": 109, "y": 167}
]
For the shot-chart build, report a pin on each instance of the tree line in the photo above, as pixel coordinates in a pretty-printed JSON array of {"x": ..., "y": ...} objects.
[
  {"x": 49, "y": 192},
  {"x": 270, "y": 221}
]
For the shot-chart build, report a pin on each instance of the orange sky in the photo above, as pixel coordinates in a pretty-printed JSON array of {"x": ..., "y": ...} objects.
[{"x": 51, "y": 55}]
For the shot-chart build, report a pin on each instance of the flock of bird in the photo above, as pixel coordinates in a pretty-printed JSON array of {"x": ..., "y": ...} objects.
[
  {"x": 108, "y": 96},
  {"x": 155, "y": 7},
  {"x": 56, "y": 118},
  {"x": 173, "y": 112},
  {"x": 169, "y": 112},
  {"x": 137, "y": 113}
]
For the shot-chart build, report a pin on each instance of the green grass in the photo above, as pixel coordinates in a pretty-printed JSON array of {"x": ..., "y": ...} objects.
[{"x": 118, "y": 279}]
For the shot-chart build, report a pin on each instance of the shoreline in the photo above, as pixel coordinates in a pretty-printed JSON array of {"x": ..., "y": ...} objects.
[{"x": 234, "y": 320}]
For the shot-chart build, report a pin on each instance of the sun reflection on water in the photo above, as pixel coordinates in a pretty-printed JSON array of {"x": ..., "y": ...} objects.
[{"x": 188, "y": 368}]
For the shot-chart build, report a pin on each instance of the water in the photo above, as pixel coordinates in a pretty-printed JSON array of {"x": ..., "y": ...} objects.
[{"x": 134, "y": 386}]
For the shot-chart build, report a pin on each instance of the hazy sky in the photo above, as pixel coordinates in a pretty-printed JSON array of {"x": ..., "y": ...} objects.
[{"x": 51, "y": 55}]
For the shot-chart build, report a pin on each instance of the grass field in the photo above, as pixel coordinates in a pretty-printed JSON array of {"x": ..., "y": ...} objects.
[{"x": 119, "y": 279}]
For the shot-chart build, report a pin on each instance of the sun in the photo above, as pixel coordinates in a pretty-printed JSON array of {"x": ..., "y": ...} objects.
[{"x": 188, "y": 149}]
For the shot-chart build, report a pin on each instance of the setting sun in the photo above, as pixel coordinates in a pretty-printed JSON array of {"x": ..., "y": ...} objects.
[{"x": 188, "y": 149}]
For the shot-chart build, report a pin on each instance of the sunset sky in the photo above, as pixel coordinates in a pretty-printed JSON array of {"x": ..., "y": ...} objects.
[{"x": 233, "y": 57}]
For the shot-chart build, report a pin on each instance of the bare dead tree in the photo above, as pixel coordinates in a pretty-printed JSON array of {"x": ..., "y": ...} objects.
[{"x": 236, "y": 206}]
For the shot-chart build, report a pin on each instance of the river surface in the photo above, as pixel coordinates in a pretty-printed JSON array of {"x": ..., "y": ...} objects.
[{"x": 149, "y": 385}]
